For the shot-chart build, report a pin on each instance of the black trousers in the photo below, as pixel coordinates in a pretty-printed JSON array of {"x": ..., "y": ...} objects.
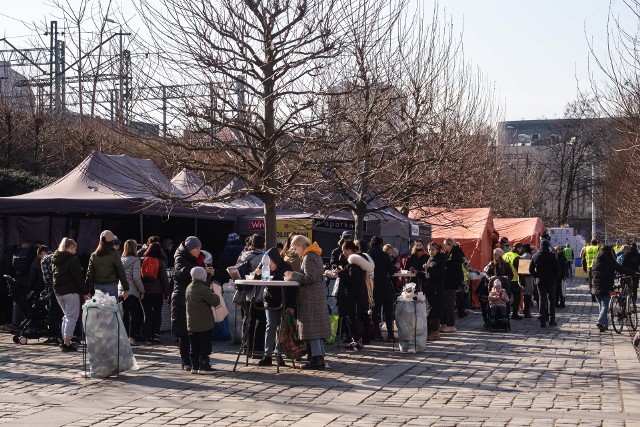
[
  {"x": 200, "y": 348},
  {"x": 516, "y": 292},
  {"x": 6, "y": 303},
  {"x": 255, "y": 329},
  {"x": 132, "y": 316},
  {"x": 152, "y": 306},
  {"x": 547, "y": 302},
  {"x": 185, "y": 349},
  {"x": 387, "y": 307},
  {"x": 353, "y": 326},
  {"x": 55, "y": 318}
]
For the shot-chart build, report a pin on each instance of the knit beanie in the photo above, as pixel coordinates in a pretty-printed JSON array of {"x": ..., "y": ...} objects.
[
  {"x": 192, "y": 242},
  {"x": 199, "y": 273}
]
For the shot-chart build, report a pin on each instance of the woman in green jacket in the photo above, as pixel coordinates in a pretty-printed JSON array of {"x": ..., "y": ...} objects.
[{"x": 105, "y": 268}]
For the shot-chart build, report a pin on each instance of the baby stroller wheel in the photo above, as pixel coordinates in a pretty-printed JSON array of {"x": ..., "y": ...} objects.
[
  {"x": 23, "y": 340},
  {"x": 16, "y": 339}
]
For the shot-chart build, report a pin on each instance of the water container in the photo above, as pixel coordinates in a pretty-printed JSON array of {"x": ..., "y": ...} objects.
[{"x": 266, "y": 269}]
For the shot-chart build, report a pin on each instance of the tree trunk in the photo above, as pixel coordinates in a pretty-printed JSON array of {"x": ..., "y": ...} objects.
[{"x": 270, "y": 228}]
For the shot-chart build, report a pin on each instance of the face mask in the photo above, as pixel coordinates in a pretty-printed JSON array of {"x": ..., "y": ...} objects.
[{"x": 418, "y": 249}]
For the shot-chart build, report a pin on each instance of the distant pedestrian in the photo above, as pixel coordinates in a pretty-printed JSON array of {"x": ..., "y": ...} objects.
[
  {"x": 199, "y": 299},
  {"x": 544, "y": 267}
]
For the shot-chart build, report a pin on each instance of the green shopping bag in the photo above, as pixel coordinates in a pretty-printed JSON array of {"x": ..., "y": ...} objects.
[
  {"x": 292, "y": 347},
  {"x": 333, "y": 320}
]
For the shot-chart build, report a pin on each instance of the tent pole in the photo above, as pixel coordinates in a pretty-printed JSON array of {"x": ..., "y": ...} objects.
[{"x": 141, "y": 230}]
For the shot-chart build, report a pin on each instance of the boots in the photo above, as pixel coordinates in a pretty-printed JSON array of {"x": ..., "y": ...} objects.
[
  {"x": 317, "y": 363},
  {"x": 528, "y": 299},
  {"x": 433, "y": 327}
]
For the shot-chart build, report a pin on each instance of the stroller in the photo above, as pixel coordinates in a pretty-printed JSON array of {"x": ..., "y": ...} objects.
[
  {"x": 499, "y": 321},
  {"x": 35, "y": 308}
]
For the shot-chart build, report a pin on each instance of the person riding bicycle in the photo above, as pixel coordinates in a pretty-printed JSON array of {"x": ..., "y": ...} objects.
[{"x": 603, "y": 275}]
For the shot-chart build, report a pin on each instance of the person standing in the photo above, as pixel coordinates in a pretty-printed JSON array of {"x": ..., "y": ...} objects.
[
  {"x": 568, "y": 254},
  {"x": 229, "y": 257},
  {"x": 453, "y": 278},
  {"x": 632, "y": 261},
  {"x": 588, "y": 256},
  {"x": 527, "y": 282},
  {"x": 105, "y": 268},
  {"x": 382, "y": 288},
  {"x": 434, "y": 289},
  {"x": 187, "y": 256},
  {"x": 337, "y": 258},
  {"x": 513, "y": 259},
  {"x": 133, "y": 315},
  {"x": 68, "y": 286},
  {"x": 199, "y": 299},
  {"x": 603, "y": 272},
  {"x": 544, "y": 267},
  {"x": 562, "y": 275},
  {"x": 156, "y": 291},
  {"x": 416, "y": 264},
  {"x": 313, "y": 317}
]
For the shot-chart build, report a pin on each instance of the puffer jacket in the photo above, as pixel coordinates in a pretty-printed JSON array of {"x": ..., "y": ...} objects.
[
  {"x": 184, "y": 262},
  {"x": 603, "y": 273},
  {"x": 106, "y": 269},
  {"x": 131, "y": 265},
  {"x": 67, "y": 274},
  {"x": 453, "y": 276}
]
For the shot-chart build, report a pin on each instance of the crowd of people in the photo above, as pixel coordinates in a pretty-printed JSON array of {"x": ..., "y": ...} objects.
[{"x": 147, "y": 277}]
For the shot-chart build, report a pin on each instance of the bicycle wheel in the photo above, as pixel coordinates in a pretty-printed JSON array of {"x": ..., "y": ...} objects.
[
  {"x": 632, "y": 313},
  {"x": 617, "y": 312}
]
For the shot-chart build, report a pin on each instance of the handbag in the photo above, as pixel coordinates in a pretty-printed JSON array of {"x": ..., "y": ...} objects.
[{"x": 292, "y": 347}]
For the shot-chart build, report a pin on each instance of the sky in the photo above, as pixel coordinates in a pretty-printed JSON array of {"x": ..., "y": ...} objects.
[{"x": 534, "y": 52}]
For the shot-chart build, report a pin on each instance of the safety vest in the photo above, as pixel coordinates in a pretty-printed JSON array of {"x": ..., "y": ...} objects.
[
  {"x": 568, "y": 254},
  {"x": 617, "y": 249},
  {"x": 510, "y": 257},
  {"x": 590, "y": 253}
]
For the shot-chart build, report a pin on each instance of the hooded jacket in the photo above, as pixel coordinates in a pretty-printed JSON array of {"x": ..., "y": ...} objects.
[
  {"x": 273, "y": 294},
  {"x": 544, "y": 267},
  {"x": 184, "y": 262},
  {"x": 106, "y": 269},
  {"x": 199, "y": 299},
  {"x": 453, "y": 276},
  {"x": 603, "y": 272},
  {"x": 67, "y": 274},
  {"x": 353, "y": 298}
]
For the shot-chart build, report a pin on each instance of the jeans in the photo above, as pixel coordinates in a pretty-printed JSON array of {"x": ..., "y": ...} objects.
[
  {"x": 494, "y": 309},
  {"x": 132, "y": 316},
  {"x": 603, "y": 301},
  {"x": 107, "y": 288},
  {"x": 273, "y": 319},
  {"x": 70, "y": 305},
  {"x": 152, "y": 306},
  {"x": 200, "y": 348},
  {"x": 317, "y": 347}
]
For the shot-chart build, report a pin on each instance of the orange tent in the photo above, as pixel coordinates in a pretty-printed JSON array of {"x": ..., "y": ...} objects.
[
  {"x": 520, "y": 230},
  {"x": 472, "y": 228}
]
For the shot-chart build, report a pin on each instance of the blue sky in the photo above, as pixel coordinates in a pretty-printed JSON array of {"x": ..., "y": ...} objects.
[{"x": 535, "y": 52}]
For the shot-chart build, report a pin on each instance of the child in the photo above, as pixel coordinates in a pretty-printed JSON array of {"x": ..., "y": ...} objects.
[
  {"x": 199, "y": 299},
  {"x": 498, "y": 300}
]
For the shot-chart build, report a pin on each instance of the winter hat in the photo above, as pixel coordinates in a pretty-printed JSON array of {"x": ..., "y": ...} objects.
[
  {"x": 232, "y": 237},
  {"x": 497, "y": 282},
  {"x": 347, "y": 233},
  {"x": 498, "y": 251},
  {"x": 192, "y": 242},
  {"x": 544, "y": 244},
  {"x": 546, "y": 236},
  {"x": 108, "y": 236},
  {"x": 199, "y": 273},
  {"x": 504, "y": 240}
]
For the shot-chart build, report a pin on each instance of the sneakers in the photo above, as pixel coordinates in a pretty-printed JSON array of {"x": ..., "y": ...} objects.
[
  {"x": 434, "y": 336},
  {"x": 354, "y": 346},
  {"x": 205, "y": 370},
  {"x": 186, "y": 367},
  {"x": 68, "y": 348},
  {"x": 265, "y": 361},
  {"x": 51, "y": 340}
]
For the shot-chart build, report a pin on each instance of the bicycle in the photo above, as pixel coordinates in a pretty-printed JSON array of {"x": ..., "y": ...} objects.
[{"x": 622, "y": 306}]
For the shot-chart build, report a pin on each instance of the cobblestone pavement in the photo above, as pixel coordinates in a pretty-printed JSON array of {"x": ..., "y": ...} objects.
[{"x": 565, "y": 376}]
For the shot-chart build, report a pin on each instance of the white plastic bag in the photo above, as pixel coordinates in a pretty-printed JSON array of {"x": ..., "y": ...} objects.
[
  {"x": 221, "y": 311},
  {"x": 108, "y": 347},
  {"x": 411, "y": 320},
  {"x": 235, "y": 314}
]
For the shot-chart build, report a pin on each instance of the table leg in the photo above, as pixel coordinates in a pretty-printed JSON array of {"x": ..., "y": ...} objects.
[{"x": 243, "y": 341}]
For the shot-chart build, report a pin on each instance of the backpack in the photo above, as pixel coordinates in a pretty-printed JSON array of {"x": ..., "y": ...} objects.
[{"x": 149, "y": 269}]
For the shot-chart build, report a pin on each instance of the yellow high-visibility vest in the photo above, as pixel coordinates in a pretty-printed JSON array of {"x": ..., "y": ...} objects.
[
  {"x": 510, "y": 257},
  {"x": 590, "y": 253}
]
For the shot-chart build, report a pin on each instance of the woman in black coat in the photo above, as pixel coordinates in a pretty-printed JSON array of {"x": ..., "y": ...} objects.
[
  {"x": 187, "y": 256},
  {"x": 415, "y": 263},
  {"x": 382, "y": 288},
  {"x": 434, "y": 288},
  {"x": 603, "y": 273},
  {"x": 453, "y": 279}
]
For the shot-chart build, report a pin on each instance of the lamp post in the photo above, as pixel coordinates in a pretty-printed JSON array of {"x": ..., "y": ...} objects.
[{"x": 120, "y": 110}]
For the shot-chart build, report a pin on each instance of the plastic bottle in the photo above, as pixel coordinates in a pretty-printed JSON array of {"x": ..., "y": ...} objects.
[{"x": 266, "y": 267}]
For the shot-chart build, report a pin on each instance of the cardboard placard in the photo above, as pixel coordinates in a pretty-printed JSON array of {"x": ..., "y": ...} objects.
[{"x": 523, "y": 266}]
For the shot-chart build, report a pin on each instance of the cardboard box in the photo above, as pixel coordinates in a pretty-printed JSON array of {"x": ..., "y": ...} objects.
[{"x": 523, "y": 266}]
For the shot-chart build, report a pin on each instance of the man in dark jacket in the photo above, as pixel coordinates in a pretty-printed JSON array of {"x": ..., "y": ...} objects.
[
  {"x": 229, "y": 257},
  {"x": 382, "y": 289},
  {"x": 632, "y": 261},
  {"x": 562, "y": 275},
  {"x": 544, "y": 267},
  {"x": 603, "y": 272},
  {"x": 337, "y": 258}
]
